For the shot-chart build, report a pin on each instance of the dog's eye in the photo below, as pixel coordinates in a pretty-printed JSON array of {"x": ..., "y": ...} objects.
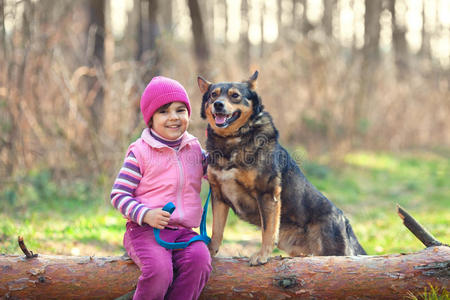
[
  {"x": 214, "y": 94},
  {"x": 235, "y": 95}
]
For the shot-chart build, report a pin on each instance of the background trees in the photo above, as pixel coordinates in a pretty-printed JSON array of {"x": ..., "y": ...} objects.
[{"x": 336, "y": 74}]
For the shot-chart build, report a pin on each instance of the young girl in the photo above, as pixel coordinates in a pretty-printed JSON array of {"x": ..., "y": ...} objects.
[{"x": 164, "y": 165}]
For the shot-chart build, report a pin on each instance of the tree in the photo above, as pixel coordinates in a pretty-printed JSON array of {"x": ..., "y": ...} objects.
[
  {"x": 280, "y": 17},
  {"x": 294, "y": 14},
  {"x": 372, "y": 30},
  {"x": 167, "y": 12},
  {"x": 327, "y": 19},
  {"x": 96, "y": 58},
  {"x": 399, "y": 42},
  {"x": 262, "y": 12},
  {"x": 425, "y": 49},
  {"x": 148, "y": 33},
  {"x": 306, "y": 26},
  {"x": 2, "y": 28},
  {"x": 328, "y": 277},
  {"x": 323, "y": 277},
  {"x": 225, "y": 30},
  {"x": 201, "y": 47},
  {"x": 243, "y": 37}
]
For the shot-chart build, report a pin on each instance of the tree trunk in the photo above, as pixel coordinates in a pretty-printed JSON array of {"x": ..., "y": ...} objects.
[
  {"x": 2, "y": 29},
  {"x": 327, "y": 19},
  {"x": 209, "y": 6},
  {"x": 294, "y": 14},
  {"x": 262, "y": 10},
  {"x": 372, "y": 29},
  {"x": 96, "y": 58},
  {"x": 147, "y": 35},
  {"x": 153, "y": 23},
  {"x": 225, "y": 31},
  {"x": 167, "y": 12},
  {"x": 333, "y": 277},
  {"x": 399, "y": 42},
  {"x": 369, "y": 68},
  {"x": 306, "y": 25},
  {"x": 201, "y": 48},
  {"x": 137, "y": 5},
  {"x": 425, "y": 48},
  {"x": 280, "y": 18},
  {"x": 243, "y": 37}
]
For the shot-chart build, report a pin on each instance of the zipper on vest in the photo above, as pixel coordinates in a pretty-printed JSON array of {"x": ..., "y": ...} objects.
[{"x": 179, "y": 201}]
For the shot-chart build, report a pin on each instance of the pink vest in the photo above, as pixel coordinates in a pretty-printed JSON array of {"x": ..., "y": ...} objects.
[{"x": 170, "y": 175}]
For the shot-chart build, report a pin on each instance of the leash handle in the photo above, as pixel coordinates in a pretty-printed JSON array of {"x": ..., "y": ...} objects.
[
  {"x": 169, "y": 207},
  {"x": 203, "y": 236}
]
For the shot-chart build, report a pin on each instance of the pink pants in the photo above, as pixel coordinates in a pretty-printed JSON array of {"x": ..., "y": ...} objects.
[{"x": 167, "y": 274}]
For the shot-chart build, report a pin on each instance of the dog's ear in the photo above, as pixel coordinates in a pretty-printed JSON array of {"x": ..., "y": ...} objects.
[
  {"x": 252, "y": 81},
  {"x": 203, "y": 84}
]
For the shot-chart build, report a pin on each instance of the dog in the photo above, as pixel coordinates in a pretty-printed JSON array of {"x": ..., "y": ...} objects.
[{"x": 251, "y": 173}]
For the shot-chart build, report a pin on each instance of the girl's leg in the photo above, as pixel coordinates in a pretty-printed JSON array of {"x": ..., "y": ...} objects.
[
  {"x": 192, "y": 267},
  {"x": 154, "y": 261}
]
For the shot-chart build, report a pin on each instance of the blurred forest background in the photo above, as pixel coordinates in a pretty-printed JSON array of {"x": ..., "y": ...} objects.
[{"x": 338, "y": 76}]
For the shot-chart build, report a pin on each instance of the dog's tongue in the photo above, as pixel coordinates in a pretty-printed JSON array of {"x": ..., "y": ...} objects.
[{"x": 220, "y": 119}]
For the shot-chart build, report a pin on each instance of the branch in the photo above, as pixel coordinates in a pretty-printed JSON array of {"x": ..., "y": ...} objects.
[
  {"x": 418, "y": 230},
  {"x": 28, "y": 254}
]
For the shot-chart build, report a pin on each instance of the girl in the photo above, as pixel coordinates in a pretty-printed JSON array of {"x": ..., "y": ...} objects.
[{"x": 165, "y": 164}]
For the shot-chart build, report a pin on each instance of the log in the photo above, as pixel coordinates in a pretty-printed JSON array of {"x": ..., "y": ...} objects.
[{"x": 334, "y": 277}]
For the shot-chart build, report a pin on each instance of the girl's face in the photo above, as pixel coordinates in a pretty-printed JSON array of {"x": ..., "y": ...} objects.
[{"x": 170, "y": 122}]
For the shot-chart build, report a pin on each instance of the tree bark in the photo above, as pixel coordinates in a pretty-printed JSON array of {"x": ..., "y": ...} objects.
[
  {"x": 262, "y": 10},
  {"x": 96, "y": 58},
  {"x": 2, "y": 29},
  {"x": 372, "y": 29},
  {"x": 425, "y": 48},
  {"x": 333, "y": 277},
  {"x": 399, "y": 42},
  {"x": 306, "y": 26},
  {"x": 280, "y": 18},
  {"x": 418, "y": 230},
  {"x": 153, "y": 10},
  {"x": 327, "y": 19},
  {"x": 294, "y": 14},
  {"x": 243, "y": 37},
  {"x": 167, "y": 12},
  {"x": 225, "y": 31},
  {"x": 148, "y": 32},
  {"x": 201, "y": 48}
]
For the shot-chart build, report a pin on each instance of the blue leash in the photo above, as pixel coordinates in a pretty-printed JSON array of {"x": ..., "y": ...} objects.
[{"x": 203, "y": 236}]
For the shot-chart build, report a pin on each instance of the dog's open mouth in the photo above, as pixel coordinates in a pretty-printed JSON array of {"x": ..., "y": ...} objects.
[{"x": 223, "y": 120}]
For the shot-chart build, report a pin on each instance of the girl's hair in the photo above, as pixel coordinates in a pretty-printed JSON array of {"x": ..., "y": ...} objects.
[{"x": 165, "y": 106}]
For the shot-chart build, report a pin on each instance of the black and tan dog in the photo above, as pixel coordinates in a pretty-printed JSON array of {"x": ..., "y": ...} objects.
[{"x": 253, "y": 174}]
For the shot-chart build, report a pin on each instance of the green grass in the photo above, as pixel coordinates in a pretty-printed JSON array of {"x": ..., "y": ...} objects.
[
  {"x": 76, "y": 219},
  {"x": 369, "y": 186},
  {"x": 431, "y": 293}
]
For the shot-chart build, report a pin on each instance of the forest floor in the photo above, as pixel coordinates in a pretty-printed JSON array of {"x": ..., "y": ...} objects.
[{"x": 367, "y": 186}]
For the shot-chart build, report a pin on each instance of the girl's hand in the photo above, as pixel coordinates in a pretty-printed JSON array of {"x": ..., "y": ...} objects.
[{"x": 157, "y": 218}]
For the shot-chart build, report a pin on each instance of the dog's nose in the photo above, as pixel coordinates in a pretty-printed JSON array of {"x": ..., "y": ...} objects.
[{"x": 219, "y": 105}]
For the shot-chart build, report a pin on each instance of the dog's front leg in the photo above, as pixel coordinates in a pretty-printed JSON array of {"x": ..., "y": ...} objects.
[
  {"x": 270, "y": 209},
  {"x": 220, "y": 214}
]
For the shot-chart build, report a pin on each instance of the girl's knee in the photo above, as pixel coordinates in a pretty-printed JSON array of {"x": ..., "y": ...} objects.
[
  {"x": 199, "y": 257},
  {"x": 158, "y": 274}
]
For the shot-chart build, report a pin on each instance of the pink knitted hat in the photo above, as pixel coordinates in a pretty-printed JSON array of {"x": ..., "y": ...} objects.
[{"x": 162, "y": 90}]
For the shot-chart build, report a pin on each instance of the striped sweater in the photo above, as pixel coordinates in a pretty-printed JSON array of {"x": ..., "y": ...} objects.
[{"x": 122, "y": 194}]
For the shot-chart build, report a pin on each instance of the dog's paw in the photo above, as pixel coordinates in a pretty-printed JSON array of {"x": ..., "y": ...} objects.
[
  {"x": 258, "y": 259},
  {"x": 213, "y": 249}
]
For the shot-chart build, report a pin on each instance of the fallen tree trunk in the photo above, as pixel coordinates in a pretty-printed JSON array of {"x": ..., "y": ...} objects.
[{"x": 386, "y": 277}]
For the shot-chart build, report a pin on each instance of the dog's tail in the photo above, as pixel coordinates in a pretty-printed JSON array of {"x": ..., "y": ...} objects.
[{"x": 354, "y": 243}]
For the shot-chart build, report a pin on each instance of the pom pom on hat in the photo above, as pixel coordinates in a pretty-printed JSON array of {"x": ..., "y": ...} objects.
[{"x": 160, "y": 91}]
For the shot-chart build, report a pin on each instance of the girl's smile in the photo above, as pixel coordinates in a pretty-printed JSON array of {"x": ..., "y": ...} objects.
[{"x": 171, "y": 121}]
